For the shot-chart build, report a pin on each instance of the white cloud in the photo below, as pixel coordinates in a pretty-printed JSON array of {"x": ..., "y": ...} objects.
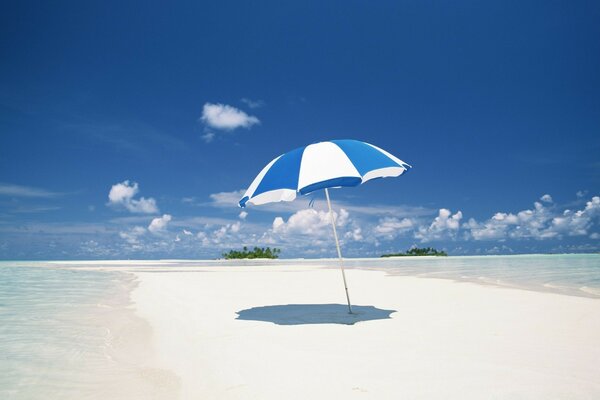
[
  {"x": 390, "y": 227},
  {"x": 159, "y": 224},
  {"x": 226, "y": 235},
  {"x": 524, "y": 224},
  {"x": 121, "y": 194},
  {"x": 219, "y": 234},
  {"x": 494, "y": 229},
  {"x": 132, "y": 236},
  {"x": 252, "y": 103},
  {"x": 7, "y": 189},
  {"x": 277, "y": 223},
  {"x": 230, "y": 234},
  {"x": 539, "y": 223},
  {"x": 224, "y": 117},
  {"x": 444, "y": 226},
  {"x": 308, "y": 233},
  {"x": 235, "y": 228},
  {"x": 309, "y": 222},
  {"x": 539, "y": 227},
  {"x": 543, "y": 221},
  {"x": 575, "y": 223},
  {"x": 354, "y": 234},
  {"x": 143, "y": 205},
  {"x": 310, "y": 228},
  {"x": 208, "y": 137},
  {"x": 203, "y": 238},
  {"x": 226, "y": 199}
]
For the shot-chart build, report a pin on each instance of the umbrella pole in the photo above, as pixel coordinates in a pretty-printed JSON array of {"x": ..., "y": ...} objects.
[{"x": 337, "y": 244}]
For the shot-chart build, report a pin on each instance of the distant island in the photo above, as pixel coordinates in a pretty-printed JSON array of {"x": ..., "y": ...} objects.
[
  {"x": 415, "y": 251},
  {"x": 257, "y": 252}
]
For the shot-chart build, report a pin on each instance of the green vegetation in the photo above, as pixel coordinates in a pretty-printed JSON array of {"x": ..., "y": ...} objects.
[
  {"x": 257, "y": 252},
  {"x": 415, "y": 251}
]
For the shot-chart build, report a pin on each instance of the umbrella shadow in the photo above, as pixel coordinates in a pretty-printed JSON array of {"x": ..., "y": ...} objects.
[{"x": 303, "y": 314}]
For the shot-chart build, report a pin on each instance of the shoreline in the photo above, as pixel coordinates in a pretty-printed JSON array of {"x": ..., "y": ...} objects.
[
  {"x": 444, "y": 339},
  {"x": 157, "y": 261},
  {"x": 574, "y": 275},
  {"x": 73, "y": 334},
  {"x": 131, "y": 349}
]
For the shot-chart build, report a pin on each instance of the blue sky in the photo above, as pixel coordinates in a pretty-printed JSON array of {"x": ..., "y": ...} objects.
[{"x": 173, "y": 109}]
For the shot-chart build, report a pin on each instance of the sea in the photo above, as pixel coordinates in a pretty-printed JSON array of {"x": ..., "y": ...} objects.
[
  {"x": 69, "y": 330},
  {"x": 72, "y": 333}
]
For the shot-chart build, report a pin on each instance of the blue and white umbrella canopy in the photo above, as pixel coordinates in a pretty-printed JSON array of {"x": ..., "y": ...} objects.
[
  {"x": 322, "y": 165},
  {"x": 335, "y": 163}
]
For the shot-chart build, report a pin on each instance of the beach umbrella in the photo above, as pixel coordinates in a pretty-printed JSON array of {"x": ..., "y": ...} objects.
[{"x": 323, "y": 165}]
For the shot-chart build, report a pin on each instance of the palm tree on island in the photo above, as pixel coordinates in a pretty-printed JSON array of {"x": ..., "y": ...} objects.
[
  {"x": 257, "y": 252},
  {"x": 415, "y": 251}
]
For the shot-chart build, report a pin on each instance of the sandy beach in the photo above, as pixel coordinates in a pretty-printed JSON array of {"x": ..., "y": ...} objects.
[{"x": 442, "y": 339}]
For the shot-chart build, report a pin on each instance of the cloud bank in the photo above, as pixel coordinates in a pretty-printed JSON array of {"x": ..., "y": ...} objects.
[
  {"x": 540, "y": 223},
  {"x": 543, "y": 227}
]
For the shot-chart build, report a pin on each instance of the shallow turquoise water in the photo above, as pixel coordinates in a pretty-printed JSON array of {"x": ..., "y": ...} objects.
[
  {"x": 572, "y": 274},
  {"x": 62, "y": 333}
]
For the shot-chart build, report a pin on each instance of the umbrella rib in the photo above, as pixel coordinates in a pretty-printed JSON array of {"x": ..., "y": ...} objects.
[{"x": 339, "y": 251}]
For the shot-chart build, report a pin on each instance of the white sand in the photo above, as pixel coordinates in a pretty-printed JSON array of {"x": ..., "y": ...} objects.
[{"x": 446, "y": 340}]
